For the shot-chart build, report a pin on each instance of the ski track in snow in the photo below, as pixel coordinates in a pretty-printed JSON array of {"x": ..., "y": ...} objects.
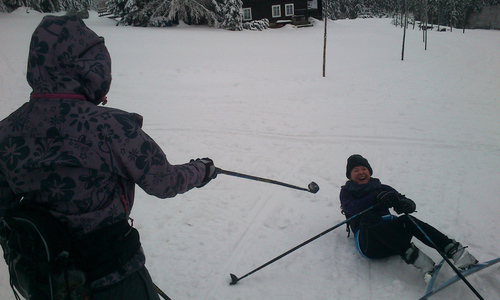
[{"x": 256, "y": 103}]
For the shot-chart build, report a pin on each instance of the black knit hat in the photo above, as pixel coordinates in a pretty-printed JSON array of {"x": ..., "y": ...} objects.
[{"x": 356, "y": 160}]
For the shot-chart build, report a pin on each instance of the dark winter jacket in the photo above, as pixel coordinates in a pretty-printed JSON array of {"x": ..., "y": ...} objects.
[
  {"x": 77, "y": 159},
  {"x": 355, "y": 198}
]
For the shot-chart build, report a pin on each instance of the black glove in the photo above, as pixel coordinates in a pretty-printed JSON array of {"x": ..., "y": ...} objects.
[
  {"x": 210, "y": 170},
  {"x": 405, "y": 205},
  {"x": 388, "y": 198}
]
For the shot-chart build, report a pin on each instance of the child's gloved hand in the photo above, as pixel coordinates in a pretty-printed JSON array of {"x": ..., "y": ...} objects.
[{"x": 388, "y": 198}]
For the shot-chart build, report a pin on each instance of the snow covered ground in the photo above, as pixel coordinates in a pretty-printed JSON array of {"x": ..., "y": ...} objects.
[{"x": 256, "y": 103}]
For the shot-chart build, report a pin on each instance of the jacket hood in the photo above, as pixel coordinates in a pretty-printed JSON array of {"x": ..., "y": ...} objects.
[{"x": 66, "y": 57}]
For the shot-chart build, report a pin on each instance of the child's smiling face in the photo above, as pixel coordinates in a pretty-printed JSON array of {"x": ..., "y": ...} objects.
[{"x": 360, "y": 175}]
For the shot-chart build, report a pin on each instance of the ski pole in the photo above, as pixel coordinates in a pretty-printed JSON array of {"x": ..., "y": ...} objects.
[
  {"x": 312, "y": 187},
  {"x": 161, "y": 293},
  {"x": 235, "y": 279},
  {"x": 446, "y": 258}
]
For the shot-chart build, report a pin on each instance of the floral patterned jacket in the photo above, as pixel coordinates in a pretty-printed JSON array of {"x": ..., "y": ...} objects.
[{"x": 79, "y": 160}]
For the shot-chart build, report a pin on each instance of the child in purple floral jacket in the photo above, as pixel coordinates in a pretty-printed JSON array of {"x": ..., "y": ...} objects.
[{"x": 81, "y": 161}]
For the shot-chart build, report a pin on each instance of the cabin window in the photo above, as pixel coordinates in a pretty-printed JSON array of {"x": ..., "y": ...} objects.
[
  {"x": 289, "y": 11},
  {"x": 276, "y": 11},
  {"x": 247, "y": 14}
]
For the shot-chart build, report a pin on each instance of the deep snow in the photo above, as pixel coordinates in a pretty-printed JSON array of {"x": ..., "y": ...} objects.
[{"x": 256, "y": 103}]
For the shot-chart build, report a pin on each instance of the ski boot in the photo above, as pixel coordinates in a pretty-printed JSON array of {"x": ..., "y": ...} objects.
[
  {"x": 462, "y": 259},
  {"x": 420, "y": 261}
]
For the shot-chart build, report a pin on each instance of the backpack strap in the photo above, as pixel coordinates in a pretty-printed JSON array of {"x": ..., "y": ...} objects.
[{"x": 36, "y": 247}]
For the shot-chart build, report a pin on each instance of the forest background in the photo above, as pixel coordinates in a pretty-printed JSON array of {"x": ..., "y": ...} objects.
[{"x": 226, "y": 14}]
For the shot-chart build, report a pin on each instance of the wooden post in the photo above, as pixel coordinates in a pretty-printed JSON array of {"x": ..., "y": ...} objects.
[
  {"x": 404, "y": 31},
  {"x": 426, "y": 23},
  {"x": 325, "y": 14}
]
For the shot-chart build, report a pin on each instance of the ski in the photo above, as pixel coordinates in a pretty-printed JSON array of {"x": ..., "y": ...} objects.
[
  {"x": 430, "y": 284},
  {"x": 455, "y": 278}
]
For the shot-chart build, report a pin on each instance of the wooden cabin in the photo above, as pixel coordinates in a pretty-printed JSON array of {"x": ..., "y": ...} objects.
[{"x": 280, "y": 12}]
